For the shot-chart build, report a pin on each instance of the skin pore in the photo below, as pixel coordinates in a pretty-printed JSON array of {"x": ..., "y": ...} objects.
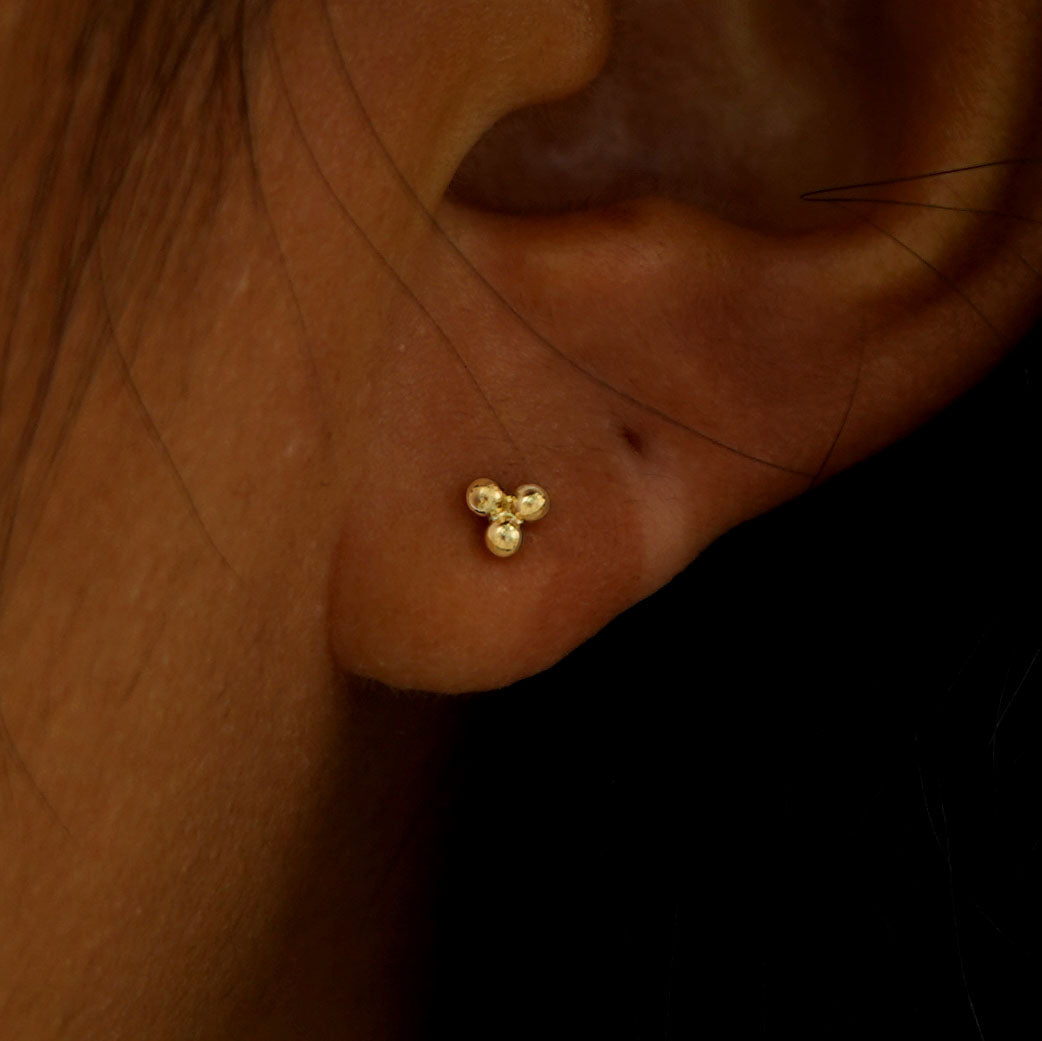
[{"x": 310, "y": 311}]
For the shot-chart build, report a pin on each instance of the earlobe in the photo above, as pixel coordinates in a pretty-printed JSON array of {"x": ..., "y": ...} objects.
[{"x": 688, "y": 375}]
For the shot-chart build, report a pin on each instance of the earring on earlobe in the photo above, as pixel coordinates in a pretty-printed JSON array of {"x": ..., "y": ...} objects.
[{"x": 506, "y": 513}]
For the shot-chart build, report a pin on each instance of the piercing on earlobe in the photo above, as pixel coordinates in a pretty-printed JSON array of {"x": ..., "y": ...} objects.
[{"x": 506, "y": 513}]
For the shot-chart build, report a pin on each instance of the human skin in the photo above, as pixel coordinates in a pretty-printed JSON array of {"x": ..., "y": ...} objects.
[{"x": 256, "y": 498}]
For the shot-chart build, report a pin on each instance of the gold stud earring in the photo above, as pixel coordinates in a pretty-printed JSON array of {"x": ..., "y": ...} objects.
[{"x": 506, "y": 513}]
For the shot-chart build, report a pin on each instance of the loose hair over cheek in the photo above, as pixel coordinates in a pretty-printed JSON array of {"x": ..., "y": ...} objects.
[{"x": 118, "y": 159}]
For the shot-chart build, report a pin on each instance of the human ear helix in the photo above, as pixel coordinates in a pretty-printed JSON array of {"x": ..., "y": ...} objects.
[{"x": 506, "y": 513}]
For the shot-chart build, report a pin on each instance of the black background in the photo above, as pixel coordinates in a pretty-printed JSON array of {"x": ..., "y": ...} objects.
[{"x": 796, "y": 793}]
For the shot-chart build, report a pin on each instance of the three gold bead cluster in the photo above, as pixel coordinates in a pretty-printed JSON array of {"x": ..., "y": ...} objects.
[{"x": 506, "y": 513}]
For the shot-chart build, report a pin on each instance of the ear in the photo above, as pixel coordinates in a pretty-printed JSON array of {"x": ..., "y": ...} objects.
[{"x": 670, "y": 366}]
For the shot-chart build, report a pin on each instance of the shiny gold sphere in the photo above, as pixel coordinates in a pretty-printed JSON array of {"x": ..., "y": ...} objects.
[
  {"x": 532, "y": 502},
  {"x": 504, "y": 539},
  {"x": 484, "y": 496}
]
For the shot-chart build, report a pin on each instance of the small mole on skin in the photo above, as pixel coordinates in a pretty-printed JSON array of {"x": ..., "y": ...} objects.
[{"x": 633, "y": 439}]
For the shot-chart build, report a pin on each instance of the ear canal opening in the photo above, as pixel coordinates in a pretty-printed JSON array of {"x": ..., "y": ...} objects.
[{"x": 736, "y": 109}]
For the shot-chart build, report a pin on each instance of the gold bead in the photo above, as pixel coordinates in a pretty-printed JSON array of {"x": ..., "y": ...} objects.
[
  {"x": 503, "y": 538},
  {"x": 483, "y": 496},
  {"x": 506, "y": 513},
  {"x": 532, "y": 502}
]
